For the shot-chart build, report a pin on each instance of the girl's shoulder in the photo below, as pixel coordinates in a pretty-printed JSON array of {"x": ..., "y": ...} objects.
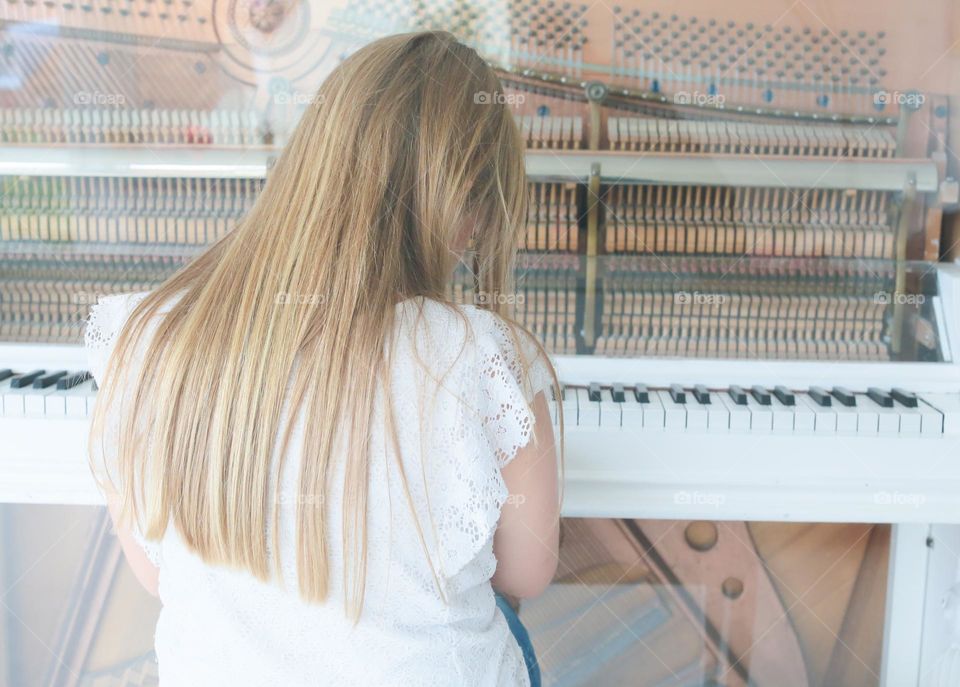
[
  {"x": 104, "y": 324},
  {"x": 500, "y": 361},
  {"x": 106, "y": 321},
  {"x": 455, "y": 322},
  {"x": 496, "y": 343}
]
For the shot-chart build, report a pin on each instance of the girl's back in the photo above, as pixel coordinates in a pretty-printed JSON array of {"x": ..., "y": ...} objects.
[{"x": 460, "y": 418}]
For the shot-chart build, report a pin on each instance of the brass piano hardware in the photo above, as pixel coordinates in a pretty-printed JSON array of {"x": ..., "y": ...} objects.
[
  {"x": 949, "y": 193},
  {"x": 899, "y": 289},
  {"x": 593, "y": 242},
  {"x": 912, "y": 102},
  {"x": 700, "y": 535},
  {"x": 732, "y": 588},
  {"x": 626, "y": 95},
  {"x": 596, "y": 94}
]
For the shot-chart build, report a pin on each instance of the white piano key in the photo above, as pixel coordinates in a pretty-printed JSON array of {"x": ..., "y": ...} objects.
[
  {"x": 846, "y": 417},
  {"x": 868, "y": 416},
  {"x": 739, "y": 416},
  {"x": 34, "y": 400},
  {"x": 675, "y": 414},
  {"x": 825, "y": 419},
  {"x": 783, "y": 415},
  {"x": 569, "y": 407},
  {"x": 13, "y": 404},
  {"x": 889, "y": 422},
  {"x": 588, "y": 413},
  {"x": 56, "y": 403},
  {"x": 610, "y": 410},
  {"x": 78, "y": 401},
  {"x": 761, "y": 417},
  {"x": 931, "y": 419},
  {"x": 718, "y": 417},
  {"x": 948, "y": 405},
  {"x": 16, "y": 402},
  {"x": 552, "y": 406},
  {"x": 631, "y": 413},
  {"x": 654, "y": 416},
  {"x": 804, "y": 417},
  {"x": 911, "y": 420},
  {"x": 697, "y": 413},
  {"x": 888, "y": 419}
]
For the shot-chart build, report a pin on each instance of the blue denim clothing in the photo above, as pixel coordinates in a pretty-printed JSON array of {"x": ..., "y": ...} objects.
[{"x": 523, "y": 639}]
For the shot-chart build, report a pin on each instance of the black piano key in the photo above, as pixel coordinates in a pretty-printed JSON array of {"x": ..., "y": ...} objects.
[
  {"x": 677, "y": 394},
  {"x": 820, "y": 396},
  {"x": 618, "y": 393},
  {"x": 701, "y": 393},
  {"x": 904, "y": 397},
  {"x": 738, "y": 395},
  {"x": 641, "y": 393},
  {"x": 880, "y": 397},
  {"x": 761, "y": 394},
  {"x": 784, "y": 395},
  {"x": 6, "y": 374},
  {"x": 844, "y": 395},
  {"x": 78, "y": 378},
  {"x": 26, "y": 379},
  {"x": 48, "y": 379},
  {"x": 593, "y": 392}
]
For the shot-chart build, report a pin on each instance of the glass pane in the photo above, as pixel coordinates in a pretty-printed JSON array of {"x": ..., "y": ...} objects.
[
  {"x": 135, "y": 136},
  {"x": 637, "y": 602}
]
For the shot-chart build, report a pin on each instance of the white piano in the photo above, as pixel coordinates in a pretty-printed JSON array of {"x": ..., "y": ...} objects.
[
  {"x": 673, "y": 439},
  {"x": 647, "y": 437}
]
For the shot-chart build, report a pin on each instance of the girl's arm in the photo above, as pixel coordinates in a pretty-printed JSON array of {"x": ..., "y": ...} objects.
[
  {"x": 143, "y": 568},
  {"x": 527, "y": 539}
]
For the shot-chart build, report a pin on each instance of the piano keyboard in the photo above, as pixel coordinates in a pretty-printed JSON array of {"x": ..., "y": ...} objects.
[
  {"x": 838, "y": 410},
  {"x": 619, "y": 406},
  {"x": 51, "y": 394}
]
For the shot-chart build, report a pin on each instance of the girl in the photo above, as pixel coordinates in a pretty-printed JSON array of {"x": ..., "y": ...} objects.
[{"x": 321, "y": 464}]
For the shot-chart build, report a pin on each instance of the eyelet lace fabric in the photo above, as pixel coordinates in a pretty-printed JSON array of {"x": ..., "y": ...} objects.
[
  {"x": 104, "y": 323},
  {"x": 429, "y": 618}
]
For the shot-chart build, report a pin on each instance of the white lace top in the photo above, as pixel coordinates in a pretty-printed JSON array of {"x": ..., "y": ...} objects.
[{"x": 221, "y": 626}]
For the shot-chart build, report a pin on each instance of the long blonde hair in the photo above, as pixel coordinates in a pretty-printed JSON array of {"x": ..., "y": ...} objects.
[{"x": 406, "y": 142}]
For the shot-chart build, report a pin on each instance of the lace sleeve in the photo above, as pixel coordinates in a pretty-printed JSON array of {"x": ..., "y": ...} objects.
[
  {"x": 493, "y": 420},
  {"x": 506, "y": 392},
  {"x": 104, "y": 324}
]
